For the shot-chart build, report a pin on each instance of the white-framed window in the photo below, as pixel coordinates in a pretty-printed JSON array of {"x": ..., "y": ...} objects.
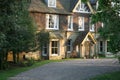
[
  {"x": 70, "y": 23},
  {"x": 80, "y": 7},
  {"x": 91, "y": 26},
  {"x": 55, "y": 47},
  {"x": 81, "y": 23},
  {"x": 52, "y": 22},
  {"x": 45, "y": 49},
  {"x": 69, "y": 45},
  {"x": 51, "y": 3}
]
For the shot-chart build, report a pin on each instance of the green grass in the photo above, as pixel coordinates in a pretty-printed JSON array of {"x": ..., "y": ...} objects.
[
  {"x": 108, "y": 76},
  {"x": 4, "y": 75}
]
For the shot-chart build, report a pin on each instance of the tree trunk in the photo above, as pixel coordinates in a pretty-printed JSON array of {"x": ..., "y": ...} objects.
[
  {"x": 14, "y": 58},
  {"x": 18, "y": 57},
  {"x": 1, "y": 61}
]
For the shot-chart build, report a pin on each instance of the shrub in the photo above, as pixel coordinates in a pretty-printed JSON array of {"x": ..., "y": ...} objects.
[
  {"x": 30, "y": 62},
  {"x": 26, "y": 63},
  {"x": 102, "y": 55}
]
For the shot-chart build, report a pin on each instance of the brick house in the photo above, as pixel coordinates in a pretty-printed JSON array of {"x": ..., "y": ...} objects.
[{"x": 69, "y": 25}]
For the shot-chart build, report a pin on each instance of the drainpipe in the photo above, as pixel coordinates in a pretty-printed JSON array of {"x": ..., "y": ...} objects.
[{"x": 66, "y": 56}]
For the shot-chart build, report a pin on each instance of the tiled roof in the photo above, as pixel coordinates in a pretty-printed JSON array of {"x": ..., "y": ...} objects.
[
  {"x": 40, "y": 6},
  {"x": 63, "y": 6},
  {"x": 82, "y": 35}
]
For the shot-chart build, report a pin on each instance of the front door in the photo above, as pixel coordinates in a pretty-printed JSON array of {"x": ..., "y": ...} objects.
[{"x": 87, "y": 49}]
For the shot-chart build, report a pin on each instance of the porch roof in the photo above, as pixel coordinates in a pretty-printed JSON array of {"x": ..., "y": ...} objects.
[
  {"x": 82, "y": 37},
  {"x": 54, "y": 35}
]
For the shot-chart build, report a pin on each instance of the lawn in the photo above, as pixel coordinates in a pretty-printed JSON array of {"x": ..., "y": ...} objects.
[
  {"x": 108, "y": 76},
  {"x": 4, "y": 75}
]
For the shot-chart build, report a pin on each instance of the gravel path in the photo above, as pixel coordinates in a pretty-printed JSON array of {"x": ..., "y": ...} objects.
[{"x": 81, "y": 69}]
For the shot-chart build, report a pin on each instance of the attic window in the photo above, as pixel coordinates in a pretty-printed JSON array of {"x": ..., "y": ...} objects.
[
  {"x": 80, "y": 7},
  {"x": 51, "y": 3}
]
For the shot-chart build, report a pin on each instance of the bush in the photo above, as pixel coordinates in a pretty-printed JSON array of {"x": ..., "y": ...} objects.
[
  {"x": 23, "y": 64},
  {"x": 102, "y": 55},
  {"x": 27, "y": 63},
  {"x": 30, "y": 62}
]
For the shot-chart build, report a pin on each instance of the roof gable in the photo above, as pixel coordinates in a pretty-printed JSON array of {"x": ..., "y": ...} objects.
[
  {"x": 82, "y": 38},
  {"x": 62, "y": 6},
  {"x": 81, "y": 7}
]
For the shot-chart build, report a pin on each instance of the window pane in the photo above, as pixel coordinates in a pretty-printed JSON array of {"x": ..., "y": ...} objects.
[
  {"x": 52, "y": 21},
  {"x": 69, "y": 45},
  {"x": 70, "y": 22},
  {"x": 52, "y": 3},
  {"x": 56, "y": 51},
  {"x": 101, "y": 46},
  {"x": 81, "y": 23}
]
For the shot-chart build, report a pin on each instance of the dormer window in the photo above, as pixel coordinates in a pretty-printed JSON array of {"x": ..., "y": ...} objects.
[
  {"x": 52, "y": 3},
  {"x": 80, "y": 7}
]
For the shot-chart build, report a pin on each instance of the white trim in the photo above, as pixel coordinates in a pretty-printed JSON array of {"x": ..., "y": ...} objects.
[
  {"x": 54, "y": 1},
  {"x": 70, "y": 23},
  {"x": 81, "y": 23},
  {"x": 55, "y": 21}
]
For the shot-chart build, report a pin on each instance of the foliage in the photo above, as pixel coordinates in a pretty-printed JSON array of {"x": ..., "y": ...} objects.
[
  {"x": 43, "y": 38},
  {"x": 17, "y": 30},
  {"x": 26, "y": 63},
  {"x": 5, "y": 23},
  {"x": 109, "y": 14}
]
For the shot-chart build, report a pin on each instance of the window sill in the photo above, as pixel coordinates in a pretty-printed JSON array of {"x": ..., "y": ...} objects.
[
  {"x": 44, "y": 54},
  {"x": 80, "y": 29},
  {"x": 54, "y": 55},
  {"x": 70, "y": 29},
  {"x": 52, "y": 29}
]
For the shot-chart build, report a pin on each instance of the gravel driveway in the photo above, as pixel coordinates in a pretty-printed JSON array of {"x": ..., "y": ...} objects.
[{"x": 80, "y": 69}]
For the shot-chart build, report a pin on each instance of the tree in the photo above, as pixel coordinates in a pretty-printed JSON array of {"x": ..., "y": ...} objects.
[
  {"x": 21, "y": 35},
  {"x": 43, "y": 38},
  {"x": 5, "y": 23},
  {"x": 17, "y": 30},
  {"x": 108, "y": 12}
]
